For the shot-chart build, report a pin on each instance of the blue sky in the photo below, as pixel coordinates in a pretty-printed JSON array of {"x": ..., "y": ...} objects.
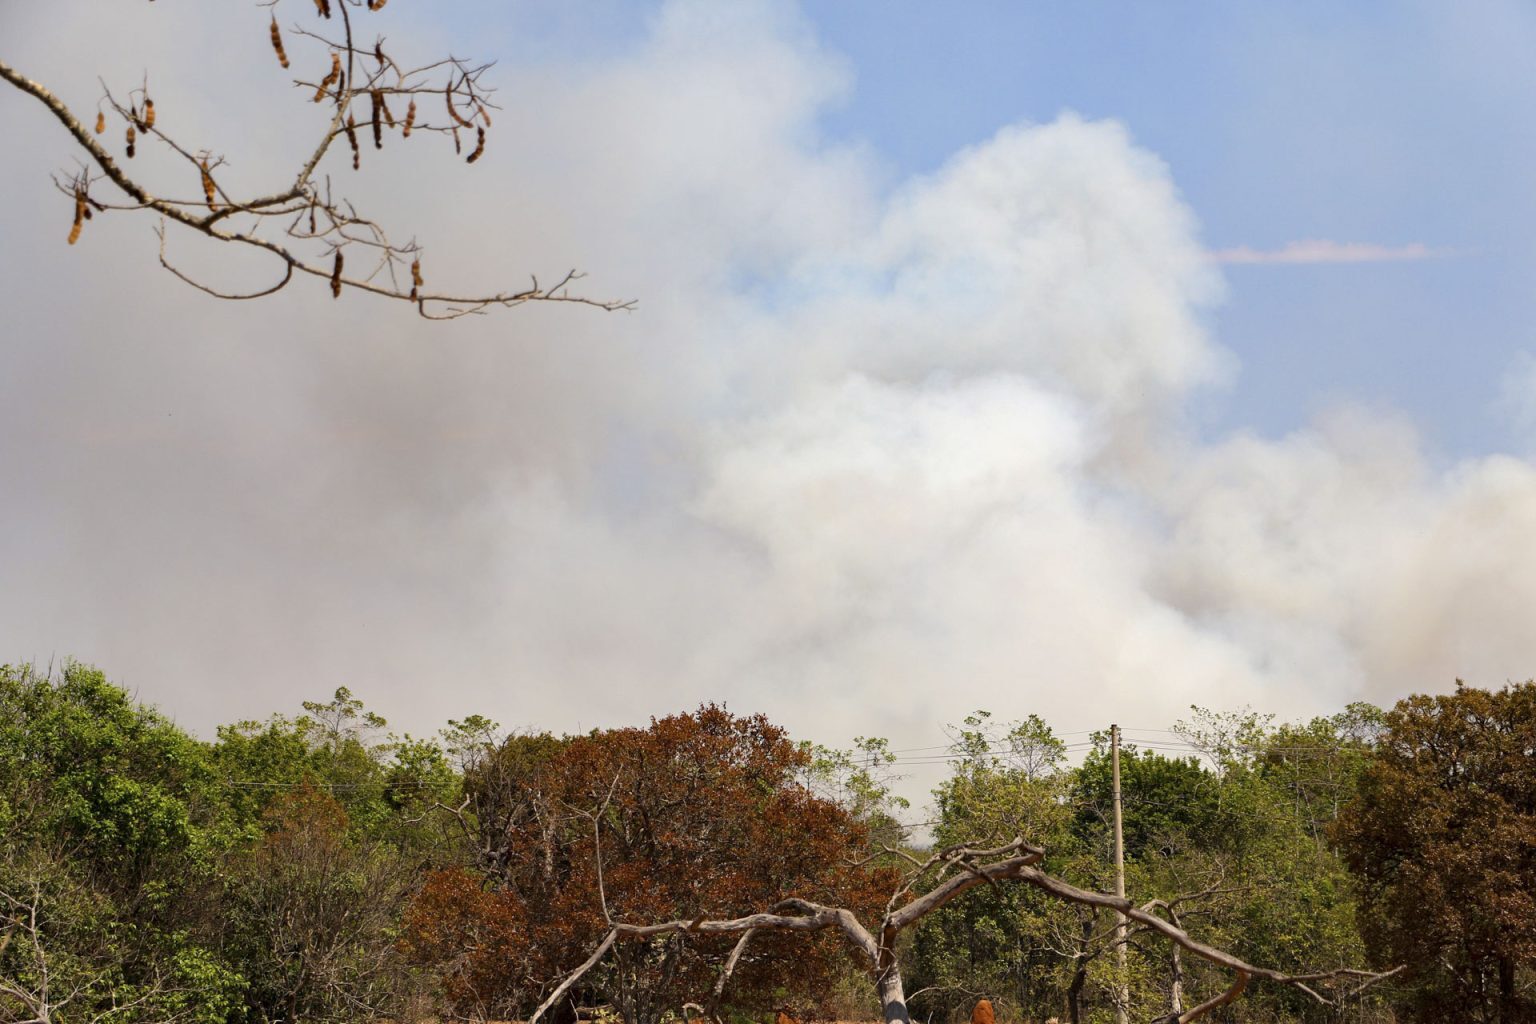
[
  {"x": 1390, "y": 123},
  {"x": 937, "y": 395}
]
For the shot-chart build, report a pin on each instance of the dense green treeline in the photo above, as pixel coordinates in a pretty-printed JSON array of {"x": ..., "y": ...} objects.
[{"x": 319, "y": 868}]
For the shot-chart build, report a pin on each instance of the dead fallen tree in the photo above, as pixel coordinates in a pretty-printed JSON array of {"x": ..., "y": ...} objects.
[{"x": 947, "y": 874}]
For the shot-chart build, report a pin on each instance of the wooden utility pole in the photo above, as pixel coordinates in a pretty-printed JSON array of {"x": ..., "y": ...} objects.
[{"x": 1123, "y": 995}]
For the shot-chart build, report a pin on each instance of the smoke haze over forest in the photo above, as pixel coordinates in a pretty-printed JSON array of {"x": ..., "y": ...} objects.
[{"x": 875, "y": 448}]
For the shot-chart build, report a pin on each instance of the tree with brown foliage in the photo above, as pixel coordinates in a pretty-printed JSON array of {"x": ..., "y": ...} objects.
[
  {"x": 1443, "y": 837},
  {"x": 698, "y": 815},
  {"x": 364, "y": 93}
]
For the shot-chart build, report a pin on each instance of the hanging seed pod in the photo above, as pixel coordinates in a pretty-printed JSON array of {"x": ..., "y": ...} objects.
[
  {"x": 484, "y": 116},
  {"x": 80, "y": 212},
  {"x": 101, "y": 122},
  {"x": 277, "y": 43},
  {"x": 389, "y": 118},
  {"x": 336, "y": 276},
  {"x": 479, "y": 146},
  {"x": 377, "y": 101},
  {"x": 457, "y": 148},
  {"x": 378, "y": 54},
  {"x": 452, "y": 110},
  {"x": 311, "y": 216},
  {"x": 149, "y": 114},
  {"x": 415, "y": 278},
  {"x": 357, "y": 159},
  {"x": 208, "y": 189},
  {"x": 130, "y": 137},
  {"x": 324, "y": 7},
  {"x": 410, "y": 118},
  {"x": 333, "y": 76}
]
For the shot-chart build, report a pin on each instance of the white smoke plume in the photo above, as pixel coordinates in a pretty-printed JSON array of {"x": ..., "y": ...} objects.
[{"x": 868, "y": 456}]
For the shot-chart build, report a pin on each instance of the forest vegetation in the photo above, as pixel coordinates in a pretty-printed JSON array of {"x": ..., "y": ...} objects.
[{"x": 316, "y": 867}]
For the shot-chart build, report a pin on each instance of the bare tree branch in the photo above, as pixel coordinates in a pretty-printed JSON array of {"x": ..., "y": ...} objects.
[
  {"x": 319, "y": 228},
  {"x": 879, "y": 954}
]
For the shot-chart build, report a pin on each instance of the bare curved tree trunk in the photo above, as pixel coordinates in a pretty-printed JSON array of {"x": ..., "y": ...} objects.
[
  {"x": 956, "y": 870},
  {"x": 893, "y": 1000}
]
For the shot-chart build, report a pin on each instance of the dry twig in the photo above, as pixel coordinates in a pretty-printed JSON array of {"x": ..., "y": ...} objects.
[{"x": 300, "y": 223}]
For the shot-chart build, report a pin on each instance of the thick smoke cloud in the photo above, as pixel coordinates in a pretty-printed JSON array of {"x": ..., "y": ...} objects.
[{"x": 869, "y": 455}]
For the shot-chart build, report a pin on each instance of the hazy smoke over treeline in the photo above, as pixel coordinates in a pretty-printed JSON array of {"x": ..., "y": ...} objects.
[{"x": 869, "y": 454}]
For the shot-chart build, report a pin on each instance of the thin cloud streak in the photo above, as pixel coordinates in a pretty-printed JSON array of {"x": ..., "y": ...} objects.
[{"x": 1323, "y": 250}]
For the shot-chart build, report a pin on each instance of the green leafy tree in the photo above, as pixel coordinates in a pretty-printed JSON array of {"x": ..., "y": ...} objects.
[
  {"x": 388, "y": 786},
  {"x": 106, "y": 853},
  {"x": 1013, "y": 945},
  {"x": 861, "y": 780}
]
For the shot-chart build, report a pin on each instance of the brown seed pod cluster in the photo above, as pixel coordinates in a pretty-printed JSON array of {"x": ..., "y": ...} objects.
[
  {"x": 336, "y": 276},
  {"x": 357, "y": 157},
  {"x": 208, "y": 189},
  {"x": 332, "y": 77},
  {"x": 479, "y": 146},
  {"x": 149, "y": 114},
  {"x": 410, "y": 119},
  {"x": 484, "y": 116},
  {"x": 415, "y": 278},
  {"x": 101, "y": 122},
  {"x": 130, "y": 137},
  {"x": 277, "y": 43}
]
